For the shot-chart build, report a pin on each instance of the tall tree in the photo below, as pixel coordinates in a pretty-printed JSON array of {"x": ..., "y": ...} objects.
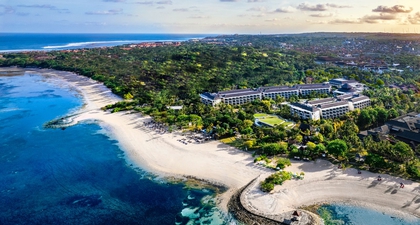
[{"x": 337, "y": 148}]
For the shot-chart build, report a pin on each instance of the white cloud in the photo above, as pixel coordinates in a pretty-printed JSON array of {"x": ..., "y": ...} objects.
[
  {"x": 322, "y": 15},
  {"x": 308, "y": 7},
  {"x": 393, "y": 9},
  {"x": 4, "y": 9},
  {"x": 287, "y": 9},
  {"x": 106, "y": 12},
  {"x": 257, "y": 9},
  {"x": 167, "y": 2},
  {"x": 414, "y": 19}
]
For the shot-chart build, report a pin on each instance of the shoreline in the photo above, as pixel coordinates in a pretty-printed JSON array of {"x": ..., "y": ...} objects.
[
  {"x": 324, "y": 183},
  {"x": 89, "y": 44},
  {"x": 217, "y": 163},
  {"x": 160, "y": 154}
]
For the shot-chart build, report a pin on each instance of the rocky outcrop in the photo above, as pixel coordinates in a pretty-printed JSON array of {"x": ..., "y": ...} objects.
[
  {"x": 240, "y": 208},
  {"x": 239, "y": 212}
]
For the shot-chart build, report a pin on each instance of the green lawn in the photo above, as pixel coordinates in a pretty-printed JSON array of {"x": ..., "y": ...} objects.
[
  {"x": 257, "y": 115},
  {"x": 270, "y": 119}
]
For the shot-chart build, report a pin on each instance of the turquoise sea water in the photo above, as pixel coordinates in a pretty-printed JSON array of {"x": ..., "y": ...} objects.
[
  {"x": 78, "y": 175},
  {"x": 344, "y": 214}
]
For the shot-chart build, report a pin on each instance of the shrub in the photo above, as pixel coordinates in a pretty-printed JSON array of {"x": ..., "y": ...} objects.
[
  {"x": 302, "y": 173},
  {"x": 276, "y": 178},
  {"x": 261, "y": 157},
  {"x": 266, "y": 186},
  {"x": 414, "y": 170},
  {"x": 283, "y": 163}
]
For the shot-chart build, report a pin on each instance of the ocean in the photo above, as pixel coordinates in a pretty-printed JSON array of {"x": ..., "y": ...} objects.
[
  {"x": 10, "y": 42},
  {"x": 79, "y": 175},
  {"x": 345, "y": 214}
]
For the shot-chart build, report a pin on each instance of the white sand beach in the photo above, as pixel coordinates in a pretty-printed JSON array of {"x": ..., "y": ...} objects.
[
  {"x": 158, "y": 153},
  {"x": 217, "y": 162},
  {"x": 324, "y": 182}
]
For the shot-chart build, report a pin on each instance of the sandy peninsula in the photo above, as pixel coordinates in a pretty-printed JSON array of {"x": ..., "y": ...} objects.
[{"x": 219, "y": 163}]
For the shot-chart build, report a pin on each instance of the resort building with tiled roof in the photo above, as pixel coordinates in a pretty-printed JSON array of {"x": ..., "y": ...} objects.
[
  {"x": 241, "y": 96},
  {"x": 329, "y": 108}
]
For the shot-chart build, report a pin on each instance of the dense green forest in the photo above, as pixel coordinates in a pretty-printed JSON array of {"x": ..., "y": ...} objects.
[
  {"x": 151, "y": 79},
  {"x": 176, "y": 72}
]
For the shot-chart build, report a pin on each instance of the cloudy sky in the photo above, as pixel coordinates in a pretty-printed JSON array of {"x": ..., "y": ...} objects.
[{"x": 208, "y": 16}]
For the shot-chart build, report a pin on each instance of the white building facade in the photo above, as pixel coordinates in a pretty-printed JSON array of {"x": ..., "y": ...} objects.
[
  {"x": 282, "y": 91},
  {"x": 329, "y": 108}
]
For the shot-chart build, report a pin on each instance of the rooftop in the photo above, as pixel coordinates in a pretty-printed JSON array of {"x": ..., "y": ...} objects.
[
  {"x": 408, "y": 135},
  {"x": 208, "y": 95},
  {"x": 321, "y": 101},
  {"x": 346, "y": 96},
  {"x": 238, "y": 92},
  {"x": 359, "y": 99},
  {"x": 339, "y": 79},
  {"x": 334, "y": 104},
  {"x": 277, "y": 89},
  {"x": 305, "y": 107},
  {"x": 312, "y": 86},
  {"x": 342, "y": 81}
]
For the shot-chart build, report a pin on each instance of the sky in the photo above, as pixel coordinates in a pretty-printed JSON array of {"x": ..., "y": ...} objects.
[{"x": 209, "y": 16}]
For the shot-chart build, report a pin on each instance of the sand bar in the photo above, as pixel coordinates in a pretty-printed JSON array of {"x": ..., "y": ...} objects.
[{"x": 216, "y": 162}]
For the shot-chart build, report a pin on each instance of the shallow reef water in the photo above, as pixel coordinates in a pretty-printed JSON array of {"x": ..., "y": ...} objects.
[
  {"x": 347, "y": 214},
  {"x": 78, "y": 175}
]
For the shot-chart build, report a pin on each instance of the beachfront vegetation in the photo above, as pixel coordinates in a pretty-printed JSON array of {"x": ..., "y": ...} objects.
[
  {"x": 283, "y": 163},
  {"x": 277, "y": 178},
  {"x": 152, "y": 79},
  {"x": 338, "y": 148}
]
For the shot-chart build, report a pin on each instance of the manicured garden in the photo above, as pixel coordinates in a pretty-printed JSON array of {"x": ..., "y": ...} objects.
[{"x": 271, "y": 120}]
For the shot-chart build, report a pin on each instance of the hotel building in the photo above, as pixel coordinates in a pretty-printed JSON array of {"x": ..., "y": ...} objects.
[
  {"x": 304, "y": 111},
  {"x": 360, "y": 102},
  {"x": 307, "y": 89},
  {"x": 241, "y": 96},
  {"x": 233, "y": 97},
  {"x": 329, "y": 108},
  {"x": 283, "y": 91}
]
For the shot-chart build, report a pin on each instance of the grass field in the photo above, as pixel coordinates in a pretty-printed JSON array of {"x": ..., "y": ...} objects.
[{"x": 271, "y": 120}]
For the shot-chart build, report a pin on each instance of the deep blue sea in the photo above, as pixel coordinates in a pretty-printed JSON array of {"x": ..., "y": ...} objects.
[
  {"x": 10, "y": 42},
  {"x": 78, "y": 175}
]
